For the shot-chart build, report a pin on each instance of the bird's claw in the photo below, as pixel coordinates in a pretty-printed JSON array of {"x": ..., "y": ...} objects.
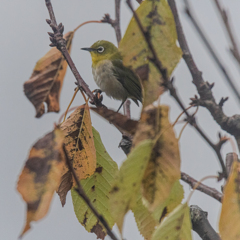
[{"x": 97, "y": 97}]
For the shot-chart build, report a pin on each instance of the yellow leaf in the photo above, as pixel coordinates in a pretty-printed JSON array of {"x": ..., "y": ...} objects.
[
  {"x": 163, "y": 168},
  {"x": 41, "y": 175},
  {"x": 157, "y": 18},
  {"x": 46, "y": 81},
  {"x": 80, "y": 147},
  {"x": 229, "y": 225}
]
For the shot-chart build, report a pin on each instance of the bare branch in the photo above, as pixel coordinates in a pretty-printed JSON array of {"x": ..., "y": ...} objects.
[
  {"x": 115, "y": 23},
  {"x": 234, "y": 48},
  {"x": 229, "y": 124},
  {"x": 167, "y": 83},
  {"x": 201, "y": 225},
  {"x": 212, "y": 192},
  {"x": 60, "y": 43},
  {"x": 190, "y": 14},
  {"x": 83, "y": 195}
]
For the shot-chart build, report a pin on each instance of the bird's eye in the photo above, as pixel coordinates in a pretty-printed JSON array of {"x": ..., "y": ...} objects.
[{"x": 100, "y": 49}]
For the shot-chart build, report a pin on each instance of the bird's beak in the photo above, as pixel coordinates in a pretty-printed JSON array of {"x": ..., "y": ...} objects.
[{"x": 89, "y": 49}]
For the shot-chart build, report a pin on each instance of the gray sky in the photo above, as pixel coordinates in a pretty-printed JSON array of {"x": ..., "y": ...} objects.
[{"x": 24, "y": 40}]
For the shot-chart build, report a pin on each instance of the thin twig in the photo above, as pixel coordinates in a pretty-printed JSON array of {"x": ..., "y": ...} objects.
[
  {"x": 234, "y": 49},
  {"x": 169, "y": 85},
  {"x": 83, "y": 195},
  {"x": 207, "y": 100},
  {"x": 60, "y": 43},
  {"x": 230, "y": 81},
  {"x": 212, "y": 192}
]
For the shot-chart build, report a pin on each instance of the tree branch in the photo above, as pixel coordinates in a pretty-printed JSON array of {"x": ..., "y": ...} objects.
[
  {"x": 234, "y": 49},
  {"x": 189, "y": 13},
  {"x": 229, "y": 124},
  {"x": 115, "y": 23},
  {"x": 58, "y": 41},
  {"x": 201, "y": 225},
  {"x": 83, "y": 195},
  {"x": 212, "y": 192},
  {"x": 173, "y": 92}
]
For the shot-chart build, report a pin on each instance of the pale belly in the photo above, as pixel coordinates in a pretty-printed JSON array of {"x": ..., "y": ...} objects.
[{"x": 107, "y": 82}]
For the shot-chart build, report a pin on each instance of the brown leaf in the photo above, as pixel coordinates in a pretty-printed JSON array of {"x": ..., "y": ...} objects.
[
  {"x": 65, "y": 186},
  {"x": 121, "y": 122},
  {"x": 41, "y": 175},
  {"x": 98, "y": 230},
  {"x": 46, "y": 81},
  {"x": 80, "y": 147}
]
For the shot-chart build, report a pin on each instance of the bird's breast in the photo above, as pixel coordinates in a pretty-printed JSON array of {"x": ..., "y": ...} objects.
[{"x": 107, "y": 82}]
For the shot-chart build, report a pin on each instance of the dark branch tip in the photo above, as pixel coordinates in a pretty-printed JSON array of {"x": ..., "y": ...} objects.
[{"x": 48, "y": 21}]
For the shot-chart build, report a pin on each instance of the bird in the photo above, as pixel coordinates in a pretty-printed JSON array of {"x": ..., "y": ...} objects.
[{"x": 111, "y": 76}]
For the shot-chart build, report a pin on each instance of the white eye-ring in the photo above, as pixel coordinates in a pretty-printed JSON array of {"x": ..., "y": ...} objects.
[{"x": 100, "y": 49}]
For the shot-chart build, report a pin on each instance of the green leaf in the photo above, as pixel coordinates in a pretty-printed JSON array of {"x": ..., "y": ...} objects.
[
  {"x": 176, "y": 226},
  {"x": 156, "y": 18},
  {"x": 127, "y": 185},
  {"x": 144, "y": 218},
  {"x": 229, "y": 225},
  {"x": 97, "y": 188},
  {"x": 174, "y": 199}
]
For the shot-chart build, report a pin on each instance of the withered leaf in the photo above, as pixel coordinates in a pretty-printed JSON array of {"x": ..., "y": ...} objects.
[
  {"x": 80, "y": 147},
  {"x": 163, "y": 168},
  {"x": 41, "y": 175},
  {"x": 46, "y": 81},
  {"x": 121, "y": 122}
]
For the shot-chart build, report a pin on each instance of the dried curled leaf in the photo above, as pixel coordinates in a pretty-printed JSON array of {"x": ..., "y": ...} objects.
[
  {"x": 79, "y": 144},
  {"x": 46, "y": 81},
  {"x": 41, "y": 175},
  {"x": 229, "y": 225},
  {"x": 156, "y": 17},
  {"x": 121, "y": 122},
  {"x": 97, "y": 188}
]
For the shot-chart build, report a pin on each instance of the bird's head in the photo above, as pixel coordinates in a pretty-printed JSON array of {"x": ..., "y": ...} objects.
[{"x": 103, "y": 50}]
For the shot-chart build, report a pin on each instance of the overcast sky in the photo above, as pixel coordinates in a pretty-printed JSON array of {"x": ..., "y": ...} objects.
[{"x": 24, "y": 40}]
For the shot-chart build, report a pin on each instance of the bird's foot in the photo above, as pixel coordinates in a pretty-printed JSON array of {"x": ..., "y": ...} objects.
[{"x": 97, "y": 97}]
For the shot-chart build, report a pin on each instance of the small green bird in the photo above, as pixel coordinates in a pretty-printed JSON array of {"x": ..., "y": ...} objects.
[{"x": 111, "y": 76}]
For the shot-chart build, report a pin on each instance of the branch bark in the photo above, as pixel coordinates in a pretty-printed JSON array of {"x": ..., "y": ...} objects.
[
  {"x": 234, "y": 48},
  {"x": 201, "y": 225},
  {"x": 212, "y": 192},
  {"x": 207, "y": 100},
  {"x": 191, "y": 16},
  {"x": 173, "y": 92}
]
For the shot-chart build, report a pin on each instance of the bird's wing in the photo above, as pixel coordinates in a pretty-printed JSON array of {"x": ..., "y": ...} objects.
[{"x": 128, "y": 79}]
